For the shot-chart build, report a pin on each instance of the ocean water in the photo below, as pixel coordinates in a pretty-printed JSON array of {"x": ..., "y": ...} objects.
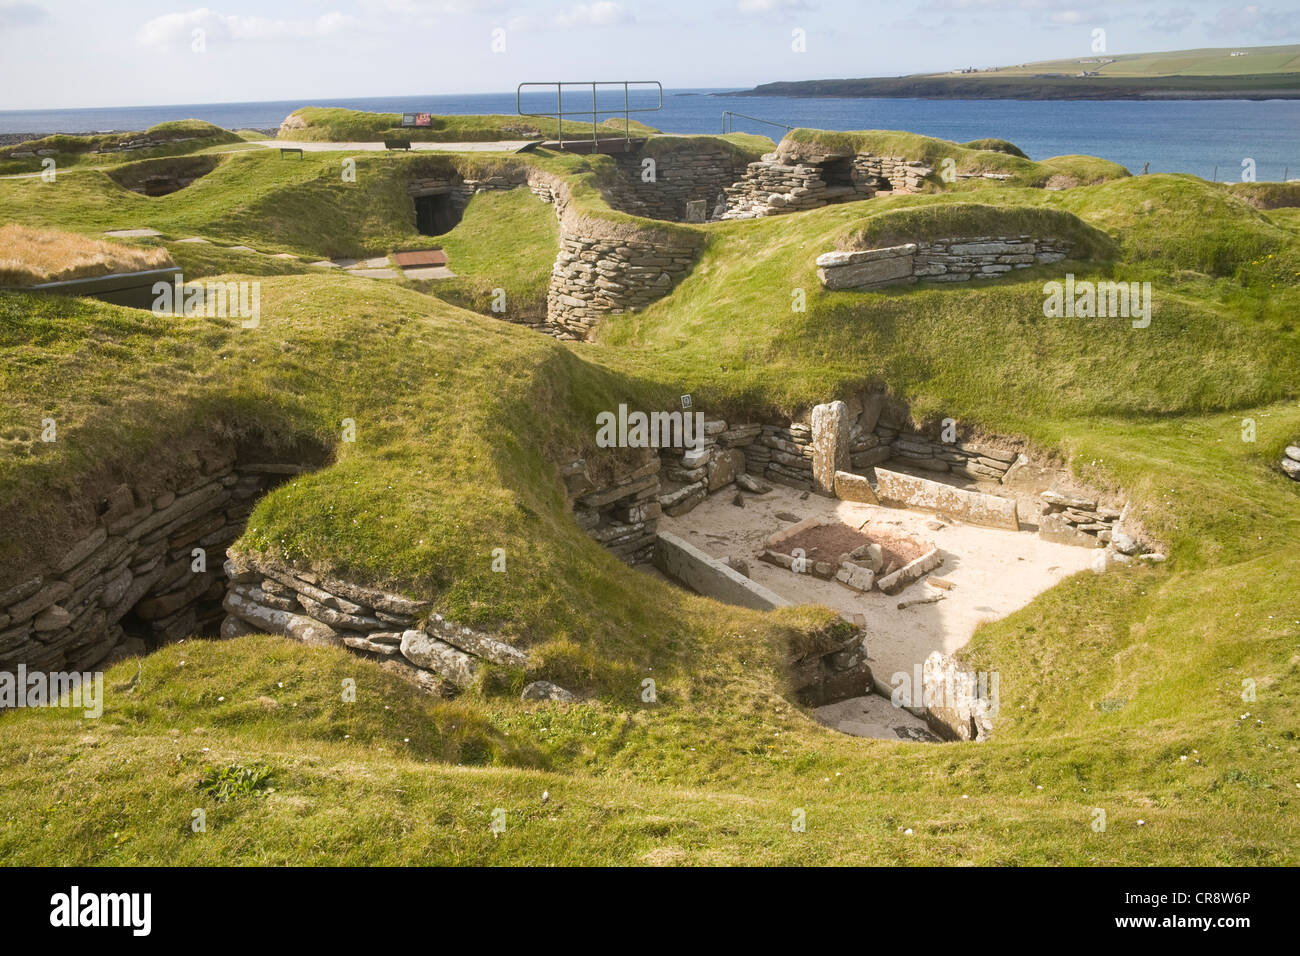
[{"x": 1209, "y": 138}]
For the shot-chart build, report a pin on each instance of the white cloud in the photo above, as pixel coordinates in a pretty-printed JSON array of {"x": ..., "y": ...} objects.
[
  {"x": 603, "y": 13},
  {"x": 175, "y": 29},
  {"x": 1172, "y": 20},
  {"x": 1255, "y": 22},
  {"x": 770, "y": 6},
  {"x": 14, "y": 15}
]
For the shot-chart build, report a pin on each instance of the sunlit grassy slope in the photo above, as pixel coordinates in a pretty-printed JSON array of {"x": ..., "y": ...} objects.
[{"x": 1107, "y": 682}]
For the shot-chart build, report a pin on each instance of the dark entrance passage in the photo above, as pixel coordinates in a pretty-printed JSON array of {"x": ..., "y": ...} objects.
[{"x": 435, "y": 214}]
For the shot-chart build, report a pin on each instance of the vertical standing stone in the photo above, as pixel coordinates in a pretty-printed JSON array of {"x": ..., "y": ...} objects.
[{"x": 830, "y": 443}]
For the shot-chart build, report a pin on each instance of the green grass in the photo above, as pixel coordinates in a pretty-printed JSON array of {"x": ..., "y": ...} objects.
[
  {"x": 1213, "y": 61},
  {"x": 507, "y": 240},
  {"x": 336, "y": 125},
  {"x": 1106, "y": 681},
  {"x": 973, "y": 157},
  {"x": 182, "y": 137}
]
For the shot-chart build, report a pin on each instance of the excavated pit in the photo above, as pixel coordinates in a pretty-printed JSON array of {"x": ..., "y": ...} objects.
[
  {"x": 146, "y": 567},
  {"x": 161, "y": 177},
  {"x": 913, "y": 538}
]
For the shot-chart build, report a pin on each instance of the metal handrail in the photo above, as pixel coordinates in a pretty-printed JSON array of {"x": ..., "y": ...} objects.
[
  {"x": 729, "y": 121},
  {"x": 560, "y": 112}
]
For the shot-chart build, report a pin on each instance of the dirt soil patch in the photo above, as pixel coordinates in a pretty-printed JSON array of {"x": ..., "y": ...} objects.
[{"x": 828, "y": 541}]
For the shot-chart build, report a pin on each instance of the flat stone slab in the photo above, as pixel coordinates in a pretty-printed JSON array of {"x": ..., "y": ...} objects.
[
  {"x": 197, "y": 239},
  {"x": 326, "y": 263},
  {"x": 429, "y": 272},
  {"x": 378, "y": 262},
  {"x": 374, "y": 273},
  {"x": 344, "y": 263},
  {"x": 851, "y": 487},
  {"x": 687, "y": 564},
  {"x": 974, "y": 507},
  {"x": 241, "y": 248},
  {"x": 874, "y": 716},
  {"x": 132, "y": 233},
  {"x": 284, "y": 255},
  {"x": 422, "y": 257}
]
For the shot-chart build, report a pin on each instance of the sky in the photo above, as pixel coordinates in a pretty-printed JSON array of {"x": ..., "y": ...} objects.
[{"x": 60, "y": 54}]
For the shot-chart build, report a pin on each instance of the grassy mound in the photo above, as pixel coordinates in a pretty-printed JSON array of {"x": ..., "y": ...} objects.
[
  {"x": 970, "y": 158},
  {"x": 171, "y": 139},
  {"x": 335, "y": 125},
  {"x": 997, "y": 146},
  {"x": 31, "y": 256},
  {"x": 1268, "y": 195}
]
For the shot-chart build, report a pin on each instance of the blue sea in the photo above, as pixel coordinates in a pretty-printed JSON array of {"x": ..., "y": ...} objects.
[{"x": 1209, "y": 138}]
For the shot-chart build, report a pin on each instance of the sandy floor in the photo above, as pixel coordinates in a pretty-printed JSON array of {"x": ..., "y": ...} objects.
[{"x": 993, "y": 572}]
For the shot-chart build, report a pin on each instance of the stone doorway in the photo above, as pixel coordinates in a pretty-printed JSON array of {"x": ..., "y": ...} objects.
[{"x": 435, "y": 214}]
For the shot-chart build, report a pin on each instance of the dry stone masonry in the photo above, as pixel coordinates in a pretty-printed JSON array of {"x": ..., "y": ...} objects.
[
  {"x": 135, "y": 580},
  {"x": 696, "y": 175},
  {"x": 1291, "y": 462},
  {"x": 938, "y": 260},
  {"x": 786, "y": 181},
  {"x": 403, "y": 635},
  {"x": 623, "y": 516},
  {"x": 595, "y": 277}
]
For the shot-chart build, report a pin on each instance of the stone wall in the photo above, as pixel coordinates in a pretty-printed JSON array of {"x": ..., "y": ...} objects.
[
  {"x": 1291, "y": 462},
  {"x": 1076, "y": 519},
  {"x": 622, "y": 515},
  {"x": 603, "y": 268},
  {"x": 461, "y": 190},
  {"x": 778, "y": 184},
  {"x": 133, "y": 582},
  {"x": 938, "y": 260},
  {"x": 700, "y": 174},
  {"x": 403, "y": 635},
  {"x": 595, "y": 277}
]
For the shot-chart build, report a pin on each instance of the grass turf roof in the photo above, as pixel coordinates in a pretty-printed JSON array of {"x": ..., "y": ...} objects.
[
  {"x": 966, "y": 159},
  {"x": 712, "y": 772},
  {"x": 338, "y": 125}
]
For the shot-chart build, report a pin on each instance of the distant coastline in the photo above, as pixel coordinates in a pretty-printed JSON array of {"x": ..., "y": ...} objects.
[{"x": 1267, "y": 86}]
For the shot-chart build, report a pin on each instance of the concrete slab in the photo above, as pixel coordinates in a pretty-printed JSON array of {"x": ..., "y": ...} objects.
[
  {"x": 132, "y": 233},
  {"x": 326, "y": 263},
  {"x": 496, "y": 146},
  {"x": 284, "y": 255},
  {"x": 375, "y": 273},
  {"x": 707, "y": 575},
  {"x": 197, "y": 239},
  {"x": 378, "y": 262},
  {"x": 429, "y": 272},
  {"x": 241, "y": 248}
]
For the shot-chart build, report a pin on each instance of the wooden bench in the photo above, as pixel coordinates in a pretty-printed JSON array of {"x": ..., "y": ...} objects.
[
  {"x": 286, "y": 150},
  {"x": 397, "y": 144}
]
